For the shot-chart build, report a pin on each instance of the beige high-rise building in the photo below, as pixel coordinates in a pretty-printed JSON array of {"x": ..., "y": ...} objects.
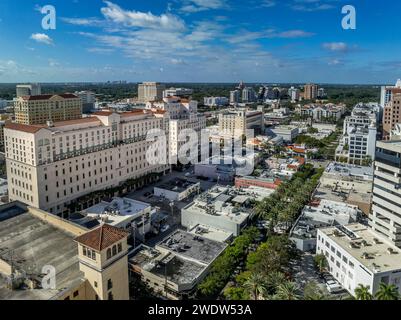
[
  {"x": 49, "y": 167},
  {"x": 150, "y": 91},
  {"x": 392, "y": 113},
  {"x": 43, "y": 108},
  {"x": 235, "y": 122},
  {"x": 310, "y": 91}
]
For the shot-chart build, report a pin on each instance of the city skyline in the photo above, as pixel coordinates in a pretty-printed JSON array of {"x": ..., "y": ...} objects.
[{"x": 199, "y": 41}]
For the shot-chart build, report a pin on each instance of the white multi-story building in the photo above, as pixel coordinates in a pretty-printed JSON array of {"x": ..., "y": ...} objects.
[
  {"x": 48, "y": 167},
  {"x": 178, "y": 92},
  {"x": 183, "y": 115},
  {"x": 295, "y": 94},
  {"x": 88, "y": 100},
  {"x": 236, "y": 122},
  {"x": 386, "y": 209},
  {"x": 327, "y": 112},
  {"x": 358, "y": 256},
  {"x": 216, "y": 101},
  {"x": 235, "y": 97},
  {"x": 359, "y": 135},
  {"x": 28, "y": 90},
  {"x": 248, "y": 95},
  {"x": 387, "y": 93}
]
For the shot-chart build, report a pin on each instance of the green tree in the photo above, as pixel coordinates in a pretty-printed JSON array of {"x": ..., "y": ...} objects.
[
  {"x": 320, "y": 262},
  {"x": 313, "y": 292},
  {"x": 387, "y": 292},
  {"x": 255, "y": 286},
  {"x": 287, "y": 291},
  {"x": 363, "y": 293}
]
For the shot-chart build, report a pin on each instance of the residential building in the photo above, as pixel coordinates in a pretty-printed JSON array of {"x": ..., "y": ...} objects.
[
  {"x": 216, "y": 101},
  {"x": 310, "y": 91},
  {"x": 387, "y": 93},
  {"x": 392, "y": 113},
  {"x": 261, "y": 182},
  {"x": 222, "y": 208},
  {"x": 40, "y": 109},
  {"x": 248, "y": 95},
  {"x": 386, "y": 209},
  {"x": 236, "y": 122},
  {"x": 295, "y": 94},
  {"x": 321, "y": 93},
  {"x": 150, "y": 91},
  {"x": 28, "y": 90},
  {"x": 175, "y": 267},
  {"x": 358, "y": 256},
  {"x": 322, "y": 113},
  {"x": 178, "y": 92},
  {"x": 88, "y": 100},
  {"x": 88, "y": 265},
  {"x": 49, "y": 167},
  {"x": 235, "y": 97},
  {"x": 326, "y": 213},
  {"x": 358, "y": 144}
]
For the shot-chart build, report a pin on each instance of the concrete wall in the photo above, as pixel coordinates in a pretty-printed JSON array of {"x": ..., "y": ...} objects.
[
  {"x": 57, "y": 222},
  {"x": 5, "y": 268}
]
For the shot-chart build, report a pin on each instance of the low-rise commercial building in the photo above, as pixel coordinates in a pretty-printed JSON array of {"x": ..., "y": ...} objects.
[
  {"x": 177, "y": 189},
  {"x": 177, "y": 264},
  {"x": 288, "y": 133},
  {"x": 327, "y": 213},
  {"x": 358, "y": 256},
  {"x": 235, "y": 122},
  {"x": 222, "y": 208}
]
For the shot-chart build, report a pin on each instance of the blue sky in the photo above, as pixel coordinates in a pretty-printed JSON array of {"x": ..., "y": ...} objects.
[{"x": 200, "y": 41}]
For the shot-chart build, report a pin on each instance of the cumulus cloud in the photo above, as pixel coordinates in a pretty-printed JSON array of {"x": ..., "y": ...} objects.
[
  {"x": 133, "y": 18},
  {"x": 42, "y": 38}
]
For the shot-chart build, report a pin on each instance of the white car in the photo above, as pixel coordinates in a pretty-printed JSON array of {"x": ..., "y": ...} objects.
[
  {"x": 164, "y": 228},
  {"x": 333, "y": 286}
]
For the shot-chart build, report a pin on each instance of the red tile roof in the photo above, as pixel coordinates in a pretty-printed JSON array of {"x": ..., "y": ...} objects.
[
  {"x": 104, "y": 113},
  {"x": 76, "y": 121},
  {"x": 23, "y": 127},
  {"x": 102, "y": 237}
]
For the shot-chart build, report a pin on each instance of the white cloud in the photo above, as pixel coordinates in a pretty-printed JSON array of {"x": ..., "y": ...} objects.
[
  {"x": 191, "y": 6},
  {"x": 42, "y": 38},
  {"x": 336, "y": 46},
  {"x": 116, "y": 14}
]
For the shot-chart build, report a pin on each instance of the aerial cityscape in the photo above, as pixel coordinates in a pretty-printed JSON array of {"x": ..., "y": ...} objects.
[{"x": 177, "y": 151}]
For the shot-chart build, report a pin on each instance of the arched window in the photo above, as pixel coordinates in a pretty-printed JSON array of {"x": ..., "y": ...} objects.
[
  {"x": 120, "y": 247},
  {"x": 114, "y": 250},
  {"x": 108, "y": 253}
]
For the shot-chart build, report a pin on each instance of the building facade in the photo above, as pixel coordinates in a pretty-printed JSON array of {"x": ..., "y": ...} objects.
[
  {"x": 28, "y": 90},
  {"x": 150, "y": 91},
  {"x": 33, "y": 110},
  {"x": 50, "y": 166},
  {"x": 235, "y": 122},
  {"x": 391, "y": 113},
  {"x": 310, "y": 91},
  {"x": 386, "y": 209}
]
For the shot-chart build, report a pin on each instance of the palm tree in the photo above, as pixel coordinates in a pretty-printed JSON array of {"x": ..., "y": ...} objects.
[
  {"x": 287, "y": 291},
  {"x": 255, "y": 285},
  {"x": 312, "y": 292},
  {"x": 273, "y": 280},
  {"x": 387, "y": 292},
  {"x": 363, "y": 293},
  {"x": 321, "y": 262}
]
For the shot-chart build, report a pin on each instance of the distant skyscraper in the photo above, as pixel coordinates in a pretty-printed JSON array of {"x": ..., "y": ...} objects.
[
  {"x": 248, "y": 95},
  {"x": 150, "y": 91},
  {"x": 235, "y": 97},
  {"x": 33, "y": 89},
  {"x": 294, "y": 94},
  {"x": 88, "y": 100},
  {"x": 387, "y": 92},
  {"x": 311, "y": 91}
]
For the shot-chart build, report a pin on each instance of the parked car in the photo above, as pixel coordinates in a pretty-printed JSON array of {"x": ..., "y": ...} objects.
[{"x": 333, "y": 286}]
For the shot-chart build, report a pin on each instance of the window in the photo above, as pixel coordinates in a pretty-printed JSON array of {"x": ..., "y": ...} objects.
[
  {"x": 109, "y": 284},
  {"x": 84, "y": 251},
  {"x": 108, "y": 253},
  {"x": 95, "y": 284},
  {"x": 111, "y": 297},
  {"x": 114, "y": 250},
  {"x": 120, "y": 247},
  {"x": 76, "y": 293}
]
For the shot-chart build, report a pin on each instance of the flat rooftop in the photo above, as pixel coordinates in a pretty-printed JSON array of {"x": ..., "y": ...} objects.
[
  {"x": 350, "y": 171},
  {"x": 116, "y": 211},
  {"x": 177, "y": 185},
  {"x": 192, "y": 247},
  {"x": 167, "y": 265},
  {"x": 29, "y": 244},
  {"x": 372, "y": 251},
  {"x": 211, "y": 233}
]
